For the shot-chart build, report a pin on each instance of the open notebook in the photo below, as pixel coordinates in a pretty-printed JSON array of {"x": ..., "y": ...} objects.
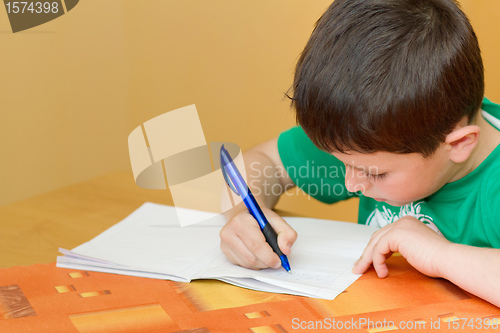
[{"x": 150, "y": 243}]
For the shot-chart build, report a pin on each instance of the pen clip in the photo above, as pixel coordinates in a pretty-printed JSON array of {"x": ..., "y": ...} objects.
[{"x": 223, "y": 169}]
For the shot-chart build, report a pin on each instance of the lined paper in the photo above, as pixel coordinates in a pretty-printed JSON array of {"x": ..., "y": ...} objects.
[{"x": 150, "y": 243}]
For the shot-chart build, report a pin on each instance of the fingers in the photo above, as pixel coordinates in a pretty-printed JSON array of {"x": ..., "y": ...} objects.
[
  {"x": 244, "y": 244},
  {"x": 241, "y": 255},
  {"x": 376, "y": 252},
  {"x": 379, "y": 264},
  {"x": 286, "y": 234},
  {"x": 412, "y": 239}
]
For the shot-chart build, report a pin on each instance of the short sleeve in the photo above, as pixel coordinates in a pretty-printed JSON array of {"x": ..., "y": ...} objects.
[
  {"x": 490, "y": 207},
  {"x": 314, "y": 171}
]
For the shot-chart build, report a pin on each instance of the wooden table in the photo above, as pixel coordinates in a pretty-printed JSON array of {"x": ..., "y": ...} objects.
[{"x": 32, "y": 230}]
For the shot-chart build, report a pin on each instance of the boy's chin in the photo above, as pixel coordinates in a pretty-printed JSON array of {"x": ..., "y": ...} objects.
[{"x": 393, "y": 203}]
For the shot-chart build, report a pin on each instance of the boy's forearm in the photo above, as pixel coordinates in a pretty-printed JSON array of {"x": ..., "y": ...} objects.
[
  {"x": 263, "y": 179},
  {"x": 474, "y": 269},
  {"x": 255, "y": 181}
]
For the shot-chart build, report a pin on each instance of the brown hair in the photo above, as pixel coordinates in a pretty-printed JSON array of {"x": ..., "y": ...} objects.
[{"x": 388, "y": 75}]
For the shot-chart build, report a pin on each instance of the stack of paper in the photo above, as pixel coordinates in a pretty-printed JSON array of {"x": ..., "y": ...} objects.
[{"x": 150, "y": 243}]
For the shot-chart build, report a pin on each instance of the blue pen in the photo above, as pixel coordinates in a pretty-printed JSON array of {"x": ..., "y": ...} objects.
[{"x": 237, "y": 184}]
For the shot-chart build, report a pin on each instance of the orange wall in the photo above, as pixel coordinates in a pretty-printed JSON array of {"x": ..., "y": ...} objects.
[
  {"x": 65, "y": 105},
  {"x": 72, "y": 89}
]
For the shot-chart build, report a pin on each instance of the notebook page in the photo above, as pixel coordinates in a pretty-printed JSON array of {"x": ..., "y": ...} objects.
[
  {"x": 151, "y": 240},
  {"x": 321, "y": 259},
  {"x": 150, "y": 243}
]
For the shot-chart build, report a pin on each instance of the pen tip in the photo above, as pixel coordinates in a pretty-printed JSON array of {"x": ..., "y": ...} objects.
[{"x": 290, "y": 271}]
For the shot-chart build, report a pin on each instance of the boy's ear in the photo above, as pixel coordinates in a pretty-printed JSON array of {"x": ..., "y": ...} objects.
[{"x": 462, "y": 142}]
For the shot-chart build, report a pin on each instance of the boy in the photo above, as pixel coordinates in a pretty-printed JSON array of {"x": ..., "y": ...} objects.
[{"x": 391, "y": 92}]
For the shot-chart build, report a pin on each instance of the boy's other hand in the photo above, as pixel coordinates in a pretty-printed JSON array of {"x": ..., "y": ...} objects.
[
  {"x": 415, "y": 241},
  {"x": 244, "y": 244}
]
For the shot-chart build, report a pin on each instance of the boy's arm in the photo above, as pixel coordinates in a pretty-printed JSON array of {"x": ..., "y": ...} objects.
[
  {"x": 471, "y": 268},
  {"x": 266, "y": 176},
  {"x": 241, "y": 239},
  {"x": 474, "y": 269}
]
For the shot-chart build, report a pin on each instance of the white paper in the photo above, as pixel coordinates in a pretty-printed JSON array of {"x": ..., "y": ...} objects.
[{"x": 150, "y": 243}]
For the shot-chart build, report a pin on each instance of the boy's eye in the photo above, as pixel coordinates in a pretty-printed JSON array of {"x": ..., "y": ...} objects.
[{"x": 379, "y": 176}]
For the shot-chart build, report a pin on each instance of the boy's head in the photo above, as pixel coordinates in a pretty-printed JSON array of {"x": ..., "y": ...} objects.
[{"x": 388, "y": 75}]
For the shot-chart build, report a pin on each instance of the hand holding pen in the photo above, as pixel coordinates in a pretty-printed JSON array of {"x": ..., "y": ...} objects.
[{"x": 241, "y": 239}]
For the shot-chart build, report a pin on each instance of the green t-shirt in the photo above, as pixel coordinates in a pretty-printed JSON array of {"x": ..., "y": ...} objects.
[{"x": 466, "y": 211}]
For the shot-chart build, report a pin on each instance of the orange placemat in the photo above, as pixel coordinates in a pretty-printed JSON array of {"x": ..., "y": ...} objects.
[{"x": 43, "y": 298}]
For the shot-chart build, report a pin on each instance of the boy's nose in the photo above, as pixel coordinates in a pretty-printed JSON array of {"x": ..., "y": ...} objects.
[{"x": 356, "y": 180}]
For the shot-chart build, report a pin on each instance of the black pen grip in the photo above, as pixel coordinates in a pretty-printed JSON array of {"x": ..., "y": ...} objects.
[{"x": 272, "y": 239}]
